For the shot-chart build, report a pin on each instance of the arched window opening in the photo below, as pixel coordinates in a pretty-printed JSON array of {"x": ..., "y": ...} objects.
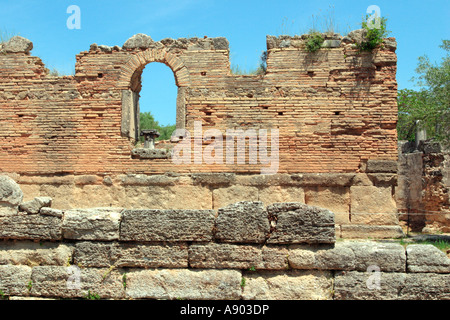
[
  {"x": 152, "y": 103},
  {"x": 158, "y": 100}
]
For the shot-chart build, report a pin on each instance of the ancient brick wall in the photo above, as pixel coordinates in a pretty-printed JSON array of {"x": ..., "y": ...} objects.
[{"x": 334, "y": 109}]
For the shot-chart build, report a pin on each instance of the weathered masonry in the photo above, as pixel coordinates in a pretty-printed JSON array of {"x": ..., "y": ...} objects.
[
  {"x": 242, "y": 251},
  {"x": 73, "y": 137}
]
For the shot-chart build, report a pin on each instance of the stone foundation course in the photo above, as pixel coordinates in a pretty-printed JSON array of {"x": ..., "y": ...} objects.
[{"x": 285, "y": 251}]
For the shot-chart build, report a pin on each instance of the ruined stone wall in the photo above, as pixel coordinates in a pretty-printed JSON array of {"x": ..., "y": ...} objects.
[
  {"x": 244, "y": 250},
  {"x": 423, "y": 187}
]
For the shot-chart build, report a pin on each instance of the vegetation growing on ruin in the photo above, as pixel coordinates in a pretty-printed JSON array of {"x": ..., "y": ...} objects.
[
  {"x": 314, "y": 42},
  {"x": 374, "y": 36}
]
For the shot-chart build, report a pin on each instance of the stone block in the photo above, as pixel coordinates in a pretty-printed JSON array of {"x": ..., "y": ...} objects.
[
  {"x": 383, "y": 179},
  {"x": 51, "y": 212},
  {"x": 245, "y": 222},
  {"x": 10, "y": 196},
  {"x": 138, "y": 41},
  {"x": 162, "y": 255},
  {"x": 331, "y": 44},
  {"x": 226, "y": 196},
  {"x": 86, "y": 179},
  {"x": 74, "y": 282},
  {"x": 148, "y": 180},
  {"x": 18, "y": 44},
  {"x": 93, "y": 254},
  {"x": 34, "y": 253},
  {"x": 430, "y": 286},
  {"x": 324, "y": 179},
  {"x": 384, "y": 166},
  {"x": 300, "y": 223},
  {"x": 184, "y": 284},
  {"x": 131, "y": 255},
  {"x": 213, "y": 179},
  {"x": 167, "y": 197},
  {"x": 221, "y": 43},
  {"x": 292, "y": 285},
  {"x": 92, "y": 224},
  {"x": 354, "y": 285},
  {"x": 359, "y": 231},
  {"x": 231, "y": 256},
  {"x": 335, "y": 199},
  {"x": 388, "y": 257},
  {"x": 378, "y": 219},
  {"x": 33, "y": 206},
  {"x": 30, "y": 227},
  {"x": 426, "y": 258},
  {"x": 349, "y": 255},
  {"x": 15, "y": 279},
  {"x": 167, "y": 225},
  {"x": 275, "y": 194},
  {"x": 371, "y": 199}
]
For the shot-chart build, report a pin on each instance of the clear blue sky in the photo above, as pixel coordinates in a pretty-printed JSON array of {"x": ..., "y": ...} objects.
[{"x": 418, "y": 25}]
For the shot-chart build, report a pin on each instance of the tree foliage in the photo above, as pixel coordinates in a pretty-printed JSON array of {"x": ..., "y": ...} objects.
[
  {"x": 147, "y": 121},
  {"x": 431, "y": 103}
]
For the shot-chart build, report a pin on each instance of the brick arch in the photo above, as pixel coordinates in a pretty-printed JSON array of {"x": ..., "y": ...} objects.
[
  {"x": 130, "y": 95},
  {"x": 141, "y": 59}
]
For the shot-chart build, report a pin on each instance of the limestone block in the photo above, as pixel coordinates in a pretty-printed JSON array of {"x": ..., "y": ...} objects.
[
  {"x": 33, "y": 206},
  {"x": 31, "y": 227},
  {"x": 276, "y": 194},
  {"x": 10, "y": 196},
  {"x": 229, "y": 256},
  {"x": 101, "y": 254},
  {"x": 349, "y": 255},
  {"x": 354, "y": 285},
  {"x": 378, "y": 219},
  {"x": 426, "y": 258},
  {"x": 138, "y": 41},
  {"x": 93, "y": 254},
  {"x": 430, "y": 286},
  {"x": 324, "y": 179},
  {"x": 184, "y": 284},
  {"x": 14, "y": 279},
  {"x": 388, "y": 257},
  {"x": 34, "y": 253},
  {"x": 92, "y": 224},
  {"x": 360, "y": 231},
  {"x": 371, "y": 199},
  {"x": 214, "y": 179},
  {"x": 167, "y": 225},
  {"x": 385, "y": 166},
  {"x": 244, "y": 221},
  {"x": 18, "y": 44},
  {"x": 226, "y": 196},
  {"x": 74, "y": 282},
  {"x": 167, "y": 197},
  {"x": 293, "y": 285},
  {"x": 51, "y": 212},
  {"x": 335, "y": 199},
  {"x": 300, "y": 223},
  {"x": 164, "y": 255},
  {"x": 220, "y": 43}
]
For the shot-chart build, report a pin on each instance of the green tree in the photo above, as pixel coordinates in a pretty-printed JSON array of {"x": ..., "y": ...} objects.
[
  {"x": 431, "y": 103},
  {"x": 147, "y": 121}
]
